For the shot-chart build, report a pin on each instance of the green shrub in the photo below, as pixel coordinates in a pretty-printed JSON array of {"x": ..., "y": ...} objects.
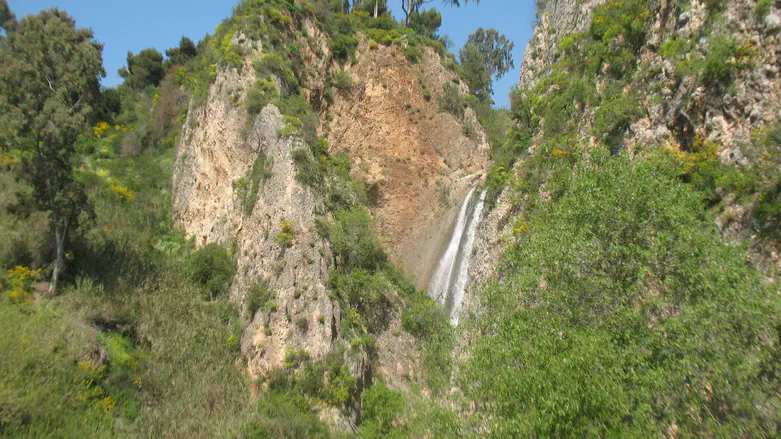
[
  {"x": 263, "y": 93},
  {"x": 302, "y": 323},
  {"x": 451, "y": 101},
  {"x": 343, "y": 46},
  {"x": 368, "y": 292},
  {"x": 287, "y": 234},
  {"x": 285, "y": 415},
  {"x": 725, "y": 56},
  {"x": 342, "y": 79},
  {"x": 762, "y": 9},
  {"x": 649, "y": 318},
  {"x": 353, "y": 241},
  {"x": 614, "y": 117},
  {"x": 768, "y": 212},
  {"x": 212, "y": 267},
  {"x": 412, "y": 53},
  {"x": 260, "y": 172},
  {"x": 381, "y": 407},
  {"x": 259, "y": 295}
]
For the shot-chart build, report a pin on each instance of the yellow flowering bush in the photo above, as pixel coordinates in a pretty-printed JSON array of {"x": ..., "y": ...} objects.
[
  {"x": 123, "y": 192},
  {"x": 100, "y": 129},
  {"x": 21, "y": 280}
]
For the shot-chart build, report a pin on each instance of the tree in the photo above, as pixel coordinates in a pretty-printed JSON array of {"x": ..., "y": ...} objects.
[
  {"x": 486, "y": 56},
  {"x": 373, "y": 7},
  {"x": 49, "y": 75},
  {"x": 144, "y": 69},
  {"x": 412, "y": 7},
  {"x": 426, "y": 22},
  {"x": 180, "y": 55}
]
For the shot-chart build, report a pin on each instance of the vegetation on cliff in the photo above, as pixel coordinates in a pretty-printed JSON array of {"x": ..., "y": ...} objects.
[{"x": 620, "y": 311}]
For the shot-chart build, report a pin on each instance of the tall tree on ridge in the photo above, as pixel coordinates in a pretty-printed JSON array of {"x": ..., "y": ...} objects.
[
  {"x": 49, "y": 73},
  {"x": 486, "y": 56}
]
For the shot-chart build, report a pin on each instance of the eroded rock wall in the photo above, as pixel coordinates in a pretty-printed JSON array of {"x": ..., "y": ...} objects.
[{"x": 419, "y": 161}]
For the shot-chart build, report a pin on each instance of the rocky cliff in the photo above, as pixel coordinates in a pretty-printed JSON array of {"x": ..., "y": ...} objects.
[{"x": 416, "y": 161}]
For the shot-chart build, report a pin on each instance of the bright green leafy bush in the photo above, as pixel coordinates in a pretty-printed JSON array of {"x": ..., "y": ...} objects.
[
  {"x": 614, "y": 303},
  {"x": 212, "y": 267},
  {"x": 353, "y": 241}
]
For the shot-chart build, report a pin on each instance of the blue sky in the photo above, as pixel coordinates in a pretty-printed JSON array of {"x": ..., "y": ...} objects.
[{"x": 138, "y": 24}]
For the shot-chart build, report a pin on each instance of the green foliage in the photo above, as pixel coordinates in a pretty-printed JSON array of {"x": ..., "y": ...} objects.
[
  {"x": 381, "y": 407},
  {"x": 343, "y": 46},
  {"x": 451, "y": 101},
  {"x": 259, "y": 295},
  {"x": 342, "y": 79},
  {"x": 144, "y": 69},
  {"x": 264, "y": 92},
  {"x": 724, "y": 57},
  {"x": 247, "y": 187},
  {"x": 182, "y": 54},
  {"x": 615, "y": 301},
  {"x": 370, "y": 293},
  {"x": 613, "y": 118},
  {"x": 768, "y": 212},
  {"x": 287, "y": 234},
  {"x": 285, "y": 415},
  {"x": 47, "y": 366},
  {"x": 628, "y": 20},
  {"x": 353, "y": 241},
  {"x": 426, "y": 22},
  {"x": 212, "y": 267},
  {"x": 762, "y": 8},
  {"x": 486, "y": 56},
  {"x": 48, "y": 79}
]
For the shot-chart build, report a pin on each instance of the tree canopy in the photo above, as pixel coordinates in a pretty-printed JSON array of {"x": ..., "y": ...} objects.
[
  {"x": 49, "y": 75},
  {"x": 143, "y": 69},
  {"x": 486, "y": 56},
  {"x": 181, "y": 54}
]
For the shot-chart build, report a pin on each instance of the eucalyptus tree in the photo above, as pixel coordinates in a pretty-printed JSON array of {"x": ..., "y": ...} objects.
[
  {"x": 412, "y": 7},
  {"x": 49, "y": 73},
  {"x": 486, "y": 56}
]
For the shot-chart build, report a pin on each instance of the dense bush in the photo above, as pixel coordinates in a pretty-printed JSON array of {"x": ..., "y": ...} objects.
[
  {"x": 381, "y": 407},
  {"x": 212, "y": 267},
  {"x": 639, "y": 302},
  {"x": 353, "y": 241},
  {"x": 451, "y": 101},
  {"x": 342, "y": 79},
  {"x": 343, "y": 46},
  {"x": 369, "y": 293}
]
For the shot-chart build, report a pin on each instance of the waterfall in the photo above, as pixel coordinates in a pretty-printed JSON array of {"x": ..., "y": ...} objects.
[{"x": 449, "y": 280}]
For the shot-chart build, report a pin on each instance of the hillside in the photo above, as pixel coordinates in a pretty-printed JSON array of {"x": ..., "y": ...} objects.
[{"x": 237, "y": 241}]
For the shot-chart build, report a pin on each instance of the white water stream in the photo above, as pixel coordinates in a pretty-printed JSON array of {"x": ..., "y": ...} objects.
[{"x": 449, "y": 280}]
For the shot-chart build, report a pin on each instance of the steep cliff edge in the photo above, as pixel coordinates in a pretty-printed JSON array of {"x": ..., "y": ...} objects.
[{"x": 240, "y": 181}]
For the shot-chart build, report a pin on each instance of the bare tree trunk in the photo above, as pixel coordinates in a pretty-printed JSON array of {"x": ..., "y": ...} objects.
[
  {"x": 59, "y": 262},
  {"x": 375, "y": 8}
]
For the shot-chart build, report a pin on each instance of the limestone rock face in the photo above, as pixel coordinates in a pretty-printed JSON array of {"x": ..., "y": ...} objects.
[
  {"x": 418, "y": 163},
  {"x": 214, "y": 153}
]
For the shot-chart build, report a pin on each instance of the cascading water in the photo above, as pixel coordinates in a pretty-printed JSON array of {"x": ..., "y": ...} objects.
[{"x": 449, "y": 280}]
